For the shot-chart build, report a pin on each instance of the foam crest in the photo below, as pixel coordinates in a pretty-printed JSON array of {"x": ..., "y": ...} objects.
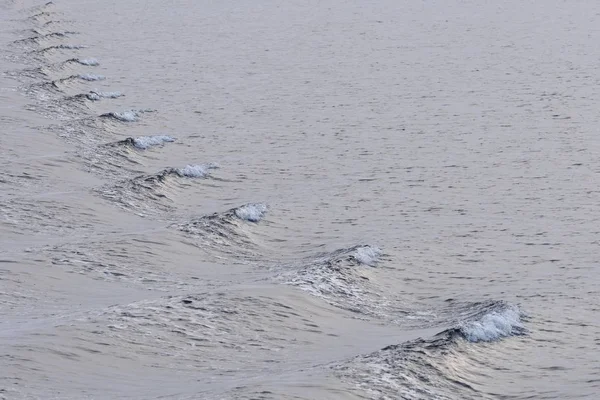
[
  {"x": 124, "y": 116},
  {"x": 61, "y": 47},
  {"x": 493, "y": 325},
  {"x": 92, "y": 62},
  {"x": 196, "y": 171},
  {"x": 252, "y": 212},
  {"x": 367, "y": 255},
  {"x": 144, "y": 142},
  {"x": 107, "y": 95},
  {"x": 341, "y": 279},
  {"x": 91, "y": 77}
]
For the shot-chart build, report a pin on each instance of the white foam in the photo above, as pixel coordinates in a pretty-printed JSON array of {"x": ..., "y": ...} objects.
[
  {"x": 91, "y": 77},
  {"x": 251, "y": 212},
  {"x": 92, "y": 62},
  {"x": 93, "y": 96},
  {"x": 143, "y": 142},
  {"x": 108, "y": 95},
  {"x": 127, "y": 116},
  {"x": 367, "y": 255},
  {"x": 493, "y": 326},
  {"x": 196, "y": 171},
  {"x": 70, "y": 46}
]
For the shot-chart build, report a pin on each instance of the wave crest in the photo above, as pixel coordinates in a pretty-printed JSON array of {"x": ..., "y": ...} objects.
[
  {"x": 493, "y": 325},
  {"x": 144, "y": 142},
  {"x": 252, "y": 212},
  {"x": 91, "y": 77},
  {"x": 196, "y": 170}
]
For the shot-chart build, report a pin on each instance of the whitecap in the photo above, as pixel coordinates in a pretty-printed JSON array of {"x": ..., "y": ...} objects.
[
  {"x": 494, "y": 325},
  {"x": 126, "y": 116},
  {"x": 67, "y": 46},
  {"x": 108, "y": 95},
  {"x": 92, "y": 62},
  {"x": 91, "y": 77},
  {"x": 253, "y": 212},
  {"x": 196, "y": 171},
  {"x": 367, "y": 255},
  {"x": 93, "y": 96},
  {"x": 143, "y": 142}
]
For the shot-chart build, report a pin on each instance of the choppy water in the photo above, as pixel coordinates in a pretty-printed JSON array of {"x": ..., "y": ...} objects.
[{"x": 299, "y": 200}]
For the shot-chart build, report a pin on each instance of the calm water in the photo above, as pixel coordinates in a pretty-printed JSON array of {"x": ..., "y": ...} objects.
[{"x": 299, "y": 200}]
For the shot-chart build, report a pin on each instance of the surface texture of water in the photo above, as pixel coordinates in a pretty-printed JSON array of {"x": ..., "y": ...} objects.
[{"x": 299, "y": 200}]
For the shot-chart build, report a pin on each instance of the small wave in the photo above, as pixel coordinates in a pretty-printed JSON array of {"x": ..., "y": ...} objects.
[
  {"x": 96, "y": 96},
  {"x": 144, "y": 142},
  {"x": 397, "y": 370},
  {"x": 107, "y": 95},
  {"x": 60, "y": 47},
  {"x": 226, "y": 233},
  {"x": 149, "y": 193},
  {"x": 125, "y": 116},
  {"x": 338, "y": 278},
  {"x": 252, "y": 212},
  {"x": 92, "y": 77},
  {"x": 494, "y": 325},
  {"x": 40, "y": 15},
  {"x": 92, "y": 62},
  {"x": 46, "y": 36},
  {"x": 195, "y": 171},
  {"x": 367, "y": 255}
]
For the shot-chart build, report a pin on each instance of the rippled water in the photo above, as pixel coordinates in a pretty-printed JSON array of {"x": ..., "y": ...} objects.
[{"x": 299, "y": 200}]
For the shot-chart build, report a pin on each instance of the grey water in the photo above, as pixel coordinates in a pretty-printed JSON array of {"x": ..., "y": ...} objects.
[{"x": 299, "y": 200}]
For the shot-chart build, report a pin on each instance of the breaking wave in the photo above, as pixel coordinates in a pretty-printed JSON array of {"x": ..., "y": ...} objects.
[
  {"x": 105, "y": 95},
  {"x": 144, "y": 142},
  {"x": 226, "y": 233},
  {"x": 92, "y": 77},
  {"x": 501, "y": 321},
  {"x": 149, "y": 193},
  {"x": 253, "y": 212},
  {"x": 195, "y": 170},
  {"x": 439, "y": 367},
  {"x": 92, "y": 62},
  {"x": 60, "y": 47},
  {"x": 125, "y": 116},
  {"x": 342, "y": 278}
]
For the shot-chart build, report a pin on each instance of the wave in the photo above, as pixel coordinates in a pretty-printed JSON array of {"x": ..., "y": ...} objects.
[
  {"x": 97, "y": 95},
  {"x": 226, "y": 233},
  {"x": 60, "y": 47},
  {"x": 499, "y": 321},
  {"x": 92, "y": 62},
  {"x": 397, "y": 371},
  {"x": 342, "y": 278},
  {"x": 125, "y": 116},
  {"x": 150, "y": 193},
  {"x": 40, "y": 15},
  {"x": 46, "y": 36},
  {"x": 145, "y": 142},
  {"x": 252, "y": 212},
  {"x": 195, "y": 170},
  {"x": 91, "y": 77},
  {"x": 210, "y": 331}
]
